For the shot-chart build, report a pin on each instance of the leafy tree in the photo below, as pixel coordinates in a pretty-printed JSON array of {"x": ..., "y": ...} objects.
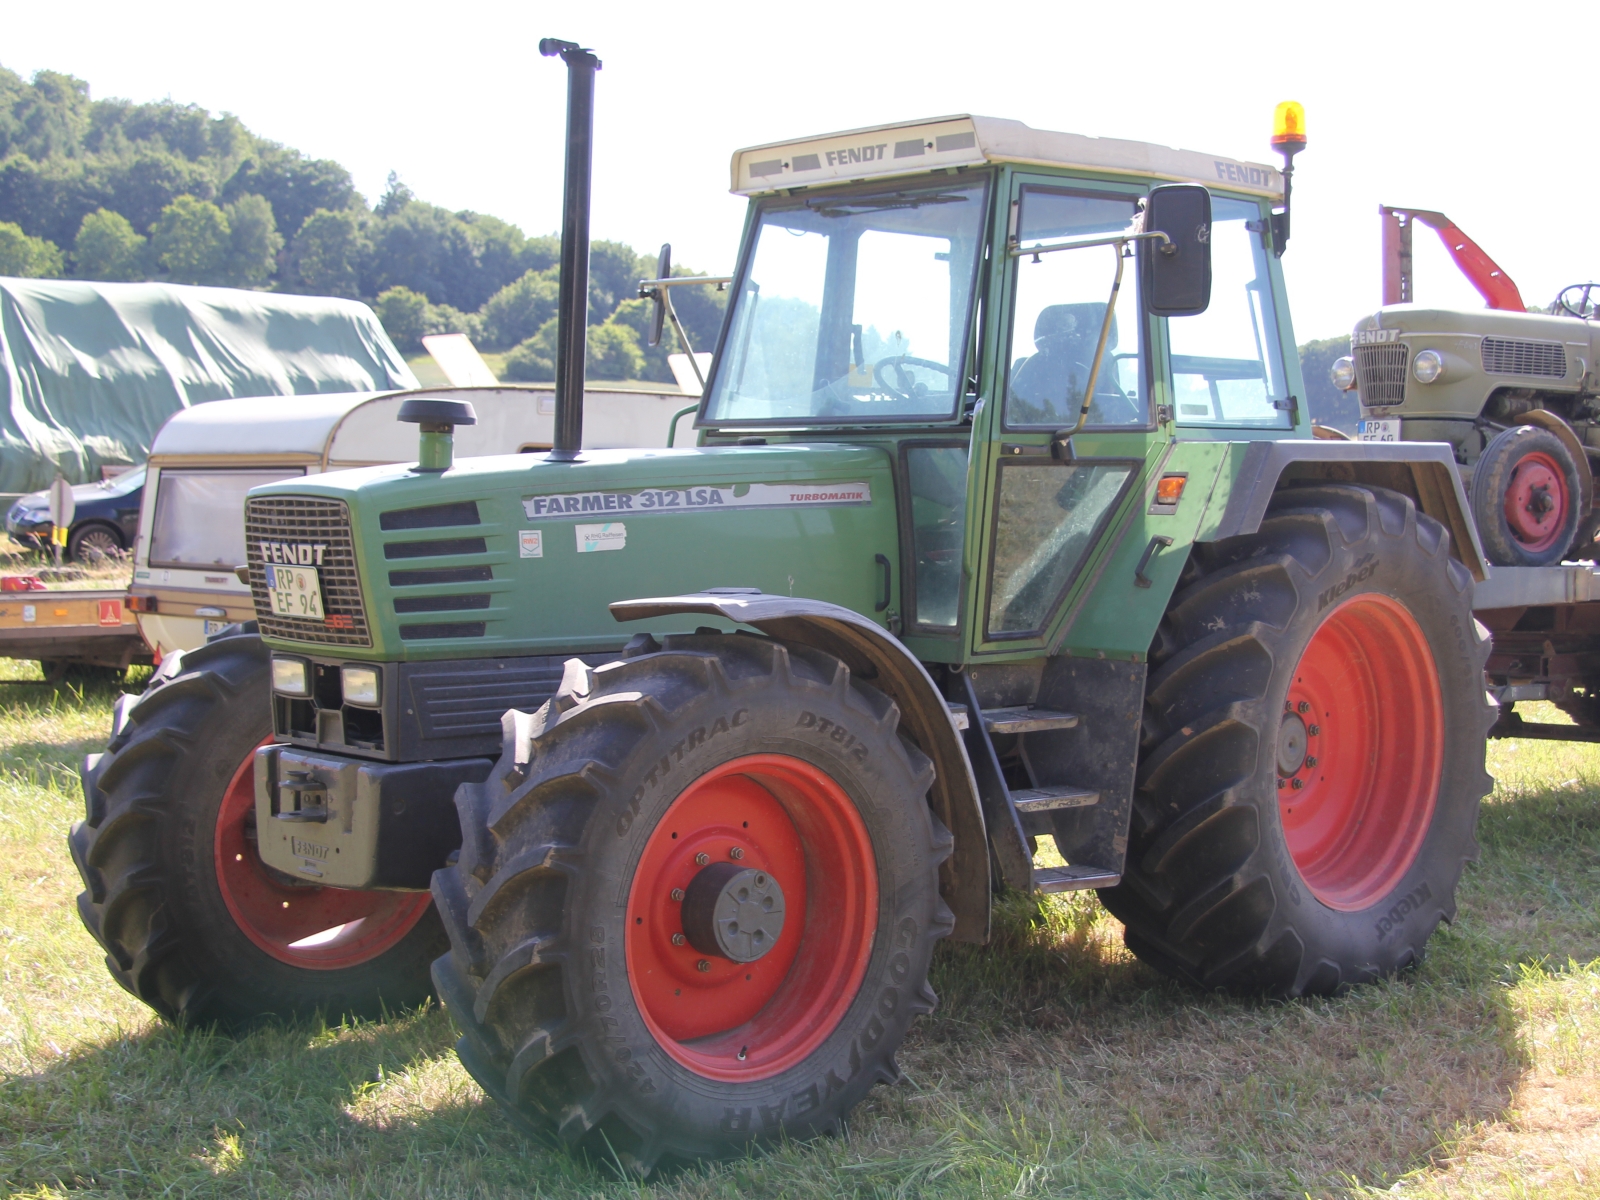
[
  {"x": 191, "y": 242},
  {"x": 636, "y": 316},
  {"x": 295, "y": 186},
  {"x": 404, "y": 314},
  {"x": 534, "y": 361},
  {"x": 429, "y": 250},
  {"x": 27, "y": 257},
  {"x": 326, "y": 254},
  {"x": 613, "y": 352},
  {"x": 254, "y": 241},
  {"x": 614, "y": 273},
  {"x": 51, "y": 115},
  {"x": 143, "y": 185},
  {"x": 108, "y": 247},
  {"x": 395, "y": 197},
  {"x": 515, "y": 313},
  {"x": 540, "y": 253}
]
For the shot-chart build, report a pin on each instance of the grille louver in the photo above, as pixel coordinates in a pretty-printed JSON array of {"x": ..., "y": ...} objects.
[
  {"x": 1381, "y": 373},
  {"x": 1523, "y": 356},
  {"x": 303, "y": 519}
]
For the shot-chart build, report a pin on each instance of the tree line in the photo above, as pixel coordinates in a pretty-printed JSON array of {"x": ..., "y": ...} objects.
[{"x": 117, "y": 191}]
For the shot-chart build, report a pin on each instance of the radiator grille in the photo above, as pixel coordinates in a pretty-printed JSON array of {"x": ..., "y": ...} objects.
[
  {"x": 326, "y": 523},
  {"x": 1381, "y": 373},
  {"x": 1522, "y": 356}
]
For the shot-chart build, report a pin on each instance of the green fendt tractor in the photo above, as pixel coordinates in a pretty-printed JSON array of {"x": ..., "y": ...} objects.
[
  {"x": 702, "y": 750},
  {"x": 1516, "y": 394}
]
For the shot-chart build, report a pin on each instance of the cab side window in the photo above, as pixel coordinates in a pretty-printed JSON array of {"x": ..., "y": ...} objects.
[{"x": 1227, "y": 362}]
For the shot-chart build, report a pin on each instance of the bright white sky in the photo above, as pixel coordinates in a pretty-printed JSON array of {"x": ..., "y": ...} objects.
[{"x": 1485, "y": 114}]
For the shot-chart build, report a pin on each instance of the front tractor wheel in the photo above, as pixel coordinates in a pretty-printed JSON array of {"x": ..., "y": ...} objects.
[
  {"x": 1313, "y": 751},
  {"x": 192, "y": 921},
  {"x": 1526, "y": 498},
  {"x": 695, "y": 902}
]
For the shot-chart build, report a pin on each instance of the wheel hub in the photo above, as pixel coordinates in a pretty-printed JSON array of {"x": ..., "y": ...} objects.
[
  {"x": 1291, "y": 744},
  {"x": 733, "y": 911},
  {"x": 1536, "y": 502}
]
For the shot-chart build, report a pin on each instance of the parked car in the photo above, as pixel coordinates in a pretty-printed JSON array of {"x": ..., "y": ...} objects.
[{"x": 104, "y": 524}]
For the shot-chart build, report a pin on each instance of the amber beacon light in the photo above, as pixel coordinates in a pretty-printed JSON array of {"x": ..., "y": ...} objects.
[{"x": 1288, "y": 139}]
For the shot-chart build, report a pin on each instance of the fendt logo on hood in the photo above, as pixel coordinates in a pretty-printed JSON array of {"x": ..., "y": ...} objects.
[{"x": 294, "y": 554}]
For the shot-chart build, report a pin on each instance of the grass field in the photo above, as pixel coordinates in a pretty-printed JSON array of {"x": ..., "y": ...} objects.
[{"x": 1056, "y": 1064}]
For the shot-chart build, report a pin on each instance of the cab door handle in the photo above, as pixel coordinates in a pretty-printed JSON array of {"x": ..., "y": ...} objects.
[{"x": 888, "y": 582}]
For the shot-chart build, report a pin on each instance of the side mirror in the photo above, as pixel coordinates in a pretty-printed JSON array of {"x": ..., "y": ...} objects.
[
  {"x": 658, "y": 314},
  {"x": 1175, "y": 276}
]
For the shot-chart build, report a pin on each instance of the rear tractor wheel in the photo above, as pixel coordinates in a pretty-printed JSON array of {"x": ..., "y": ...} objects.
[
  {"x": 192, "y": 922},
  {"x": 695, "y": 902},
  {"x": 1313, "y": 751}
]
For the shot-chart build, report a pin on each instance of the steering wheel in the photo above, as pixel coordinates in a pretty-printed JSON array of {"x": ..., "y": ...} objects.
[
  {"x": 1582, "y": 305},
  {"x": 904, "y": 386}
]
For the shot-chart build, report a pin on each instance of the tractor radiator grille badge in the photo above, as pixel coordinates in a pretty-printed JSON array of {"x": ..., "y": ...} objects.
[
  {"x": 318, "y": 532},
  {"x": 1381, "y": 373},
  {"x": 1520, "y": 356}
]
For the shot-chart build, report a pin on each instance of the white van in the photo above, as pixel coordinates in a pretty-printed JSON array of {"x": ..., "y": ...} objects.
[{"x": 204, "y": 460}]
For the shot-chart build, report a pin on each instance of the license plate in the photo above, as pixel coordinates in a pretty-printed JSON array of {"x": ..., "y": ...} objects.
[
  {"x": 214, "y": 627},
  {"x": 296, "y": 592},
  {"x": 1378, "y": 431}
]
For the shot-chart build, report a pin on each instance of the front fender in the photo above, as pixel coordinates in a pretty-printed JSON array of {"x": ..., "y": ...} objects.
[{"x": 877, "y": 656}]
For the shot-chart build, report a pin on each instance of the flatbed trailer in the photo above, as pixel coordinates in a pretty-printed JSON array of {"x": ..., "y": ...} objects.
[
  {"x": 1545, "y": 623},
  {"x": 83, "y": 626}
]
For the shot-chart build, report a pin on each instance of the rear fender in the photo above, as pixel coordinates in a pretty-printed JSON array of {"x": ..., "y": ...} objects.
[
  {"x": 874, "y": 655},
  {"x": 1425, "y": 471}
]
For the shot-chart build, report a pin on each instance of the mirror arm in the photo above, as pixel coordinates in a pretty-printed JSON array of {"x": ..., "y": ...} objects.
[
  {"x": 1015, "y": 250},
  {"x": 1059, "y": 441}
]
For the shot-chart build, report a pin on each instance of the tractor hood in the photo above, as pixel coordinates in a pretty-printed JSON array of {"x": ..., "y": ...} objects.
[{"x": 516, "y": 554}]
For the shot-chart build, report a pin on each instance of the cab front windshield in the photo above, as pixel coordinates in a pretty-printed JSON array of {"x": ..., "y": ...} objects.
[{"x": 854, "y": 308}]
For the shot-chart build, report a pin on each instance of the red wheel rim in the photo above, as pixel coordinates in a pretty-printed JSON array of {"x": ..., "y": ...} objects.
[
  {"x": 318, "y": 928},
  {"x": 1356, "y": 810},
  {"x": 734, "y": 1021},
  {"x": 1537, "y": 502}
]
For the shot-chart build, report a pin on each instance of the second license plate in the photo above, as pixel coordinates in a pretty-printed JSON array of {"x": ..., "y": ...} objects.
[
  {"x": 296, "y": 592},
  {"x": 1378, "y": 431}
]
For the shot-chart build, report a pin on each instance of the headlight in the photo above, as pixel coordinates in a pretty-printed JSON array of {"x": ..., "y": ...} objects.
[
  {"x": 1343, "y": 374},
  {"x": 361, "y": 686},
  {"x": 291, "y": 677},
  {"x": 1427, "y": 366}
]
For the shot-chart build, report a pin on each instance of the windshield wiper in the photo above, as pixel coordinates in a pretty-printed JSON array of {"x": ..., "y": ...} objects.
[{"x": 865, "y": 204}]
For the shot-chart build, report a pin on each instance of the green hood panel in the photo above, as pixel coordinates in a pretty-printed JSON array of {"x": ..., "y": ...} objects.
[{"x": 554, "y": 543}]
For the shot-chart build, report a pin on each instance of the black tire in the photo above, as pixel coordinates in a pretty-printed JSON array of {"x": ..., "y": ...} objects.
[
  {"x": 536, "y": 906},
  {"x": 1495, "y": 472},
  {"x": 146, "y": 855},
  {"x": 94, "y": 541},
  {"x": 1212, "y": 892}
]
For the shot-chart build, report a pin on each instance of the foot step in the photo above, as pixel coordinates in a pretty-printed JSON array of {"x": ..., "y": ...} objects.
[
  {"x": 1073, "y": 879},
  {"x": 1026, "y": 719},
  {"x": 1047, "y": 799},
  {"x": 958, "y": 714}
]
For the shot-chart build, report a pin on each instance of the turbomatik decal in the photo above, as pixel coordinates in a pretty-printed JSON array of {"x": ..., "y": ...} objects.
[{"x": 699, "y": 498}]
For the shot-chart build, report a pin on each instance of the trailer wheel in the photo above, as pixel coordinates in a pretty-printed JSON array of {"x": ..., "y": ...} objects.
[
  {"x": 192, "y": 922},
  {"x": 1525, "y": 498},
  {"x": 1313, "y": 751},
  {"x": 695, "y": 902}
]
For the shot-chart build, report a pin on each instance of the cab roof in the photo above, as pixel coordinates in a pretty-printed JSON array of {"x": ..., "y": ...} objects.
[{"x": 944, "y": 143}]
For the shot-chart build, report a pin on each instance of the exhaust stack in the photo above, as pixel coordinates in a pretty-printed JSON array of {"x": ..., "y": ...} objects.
[{"x": 572, "y": 315}]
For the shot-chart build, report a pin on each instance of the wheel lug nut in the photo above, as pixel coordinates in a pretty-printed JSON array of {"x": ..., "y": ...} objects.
[
  {"x": 701, "y": 859},
  {"x": 1280, "y": 785},
  {"x": 1311, "y": 761},
  {"x": 702, "y": 965},
  {"x": 1297, "y": 784},
  {"x": 1303, "y": 706},
  {"x": 677, "y": 895},
  {"x": 736, "y": 853},
  {"x": 1314, "y": 730},
  {"x": 678, "y": 939}
]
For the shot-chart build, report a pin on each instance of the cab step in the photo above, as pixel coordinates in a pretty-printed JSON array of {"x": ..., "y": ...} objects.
[
  {"x": 1073, "y": 879},
  {"x": 1048, "y": 799},
  {"x": 1026, "y": 719}
]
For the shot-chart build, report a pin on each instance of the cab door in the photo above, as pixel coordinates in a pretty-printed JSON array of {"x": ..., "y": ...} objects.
[{"x": 1044, "y": 524}]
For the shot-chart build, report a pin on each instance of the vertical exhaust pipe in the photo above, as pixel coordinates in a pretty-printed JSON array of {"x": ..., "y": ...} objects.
[{"x": 572, "y": 315}]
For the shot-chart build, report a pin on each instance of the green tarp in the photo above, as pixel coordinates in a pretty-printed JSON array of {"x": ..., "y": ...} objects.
[{"x": 90, "y": 371}]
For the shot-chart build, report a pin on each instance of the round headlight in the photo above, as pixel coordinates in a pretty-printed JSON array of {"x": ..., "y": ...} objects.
[
  {"x": 1427, "y": 366},
  {"x": 1343, "y": 374}
]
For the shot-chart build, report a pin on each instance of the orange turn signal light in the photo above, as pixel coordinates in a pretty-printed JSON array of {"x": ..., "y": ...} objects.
[
  {"x": 1289, "y": 125},
  {"x": 1169, "y": 488}
]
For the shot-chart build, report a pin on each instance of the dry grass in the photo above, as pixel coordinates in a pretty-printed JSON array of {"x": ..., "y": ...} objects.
[
  {"x": 1056, "y": 1065},
  {"x": 105, "y": 572}
]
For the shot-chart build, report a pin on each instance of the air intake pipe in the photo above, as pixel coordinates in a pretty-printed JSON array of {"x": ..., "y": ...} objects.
[{"x": 572, "y": 315}]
